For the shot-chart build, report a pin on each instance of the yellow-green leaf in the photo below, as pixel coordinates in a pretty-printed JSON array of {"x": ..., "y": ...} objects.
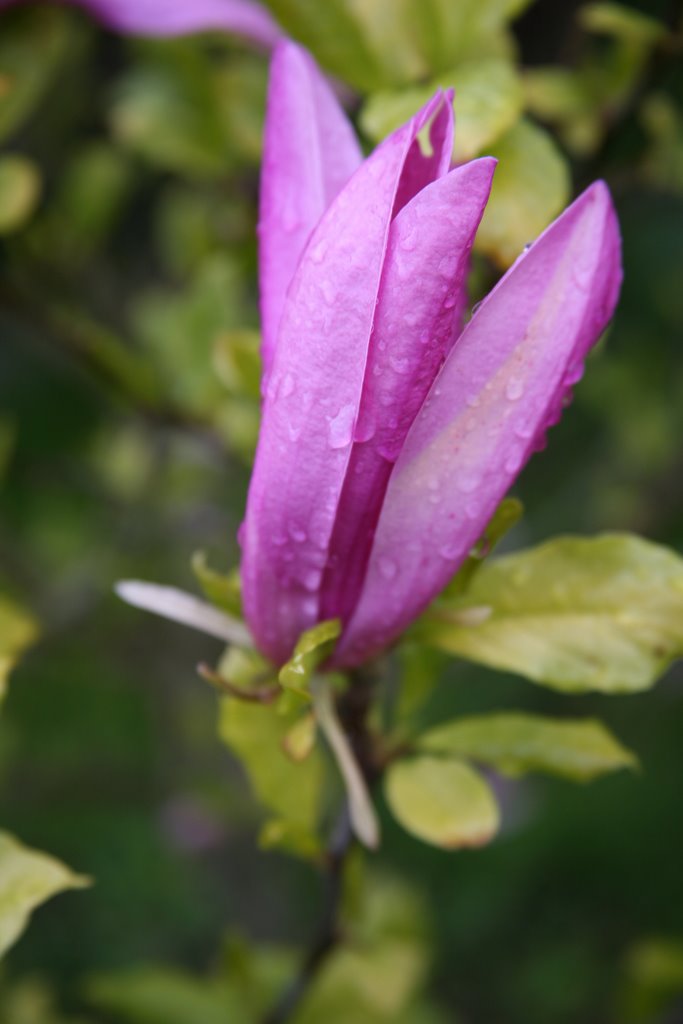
[
  {"x": 622, "y": 22},
  {"x": 314, "y": 647},
  {"x": 576, "y": 613},
  {"x": 222, "y": 589},
  {"x": 443, "y": 802},
  {"x": 19, "y": 191},
  {"x": 514, "y": 743},
  {"x": 33, "y": 44},
  {"x": 449, "y": 31},
  {"x": 27, "y": 879},
  {"x": 18, "y": 630},
  {"x": 255, "y": 733},
  {"x": 300, "y": 740},
  {"x": 488, "y": 101},
  {"x": 530, "y": 187},
  {"x": 332, "y": 32}
]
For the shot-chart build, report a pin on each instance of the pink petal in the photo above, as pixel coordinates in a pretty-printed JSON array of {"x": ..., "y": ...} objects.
[
  {"x": 499, "y": 390},
  {"x": 313, "y": 397},
  {"x": 310, "y": 152},
  {"x": 182, "y": 17},
  {"x": 418, "y": 318}
]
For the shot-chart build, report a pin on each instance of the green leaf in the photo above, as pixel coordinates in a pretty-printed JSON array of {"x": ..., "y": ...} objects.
[
  {"x": 575, "y": 614},
  {"x": 514, "y": 743},
  {"x": 313, "y": 648},
  {"x": 622, "y": 22},
  {"x": 443, "y": 802},
  {"x": 20, "y": 187},
  {"x": 33, "y": 44},
  {"x": 299, "y": 742},
  {"x": 158, "y": 995},
  {"x": 277, "y": 834},
  {"x": 222, "y": 589},
  {"x": 530, "y": 187},
  {"x": 488, "y": 101},
  {"x": 507, "y": 515},
  {"x": 332, "y": 32},
  {"x": 448, "y": 32},
  {"x": 256, "y": 734},
  {"x": 18, "y": 630},
  {"x": 189, "y": 112},
  {"x": 27, "y": 879}
]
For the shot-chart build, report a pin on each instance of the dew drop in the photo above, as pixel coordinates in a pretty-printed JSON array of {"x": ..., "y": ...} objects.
[
  {"x": 388, "y": 568},
  {"x": 298, "y": 534},
  {"x": 341, "y": 427},
  {"x": 448, "y": 266},
  {"x": 311, "y": 579},
  {"x": 514, "y": 462},
  {"x": 524, "y": 431},
  {"x": 468, "y": 482},
  {"x": 329, "y": 291},
  {"x": 400, "y": 365},
  {"x": 318, "y": 252},
  {"x": 514, "y": 388}
]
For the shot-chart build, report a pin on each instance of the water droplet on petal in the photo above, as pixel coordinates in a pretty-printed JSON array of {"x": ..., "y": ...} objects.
[
  {"x": 341, "y": 427},
  {"x": 318, "y": 252},
  {"x": 514, "y": 462},
  {"x": 524, "y": 431},
  {"x": 468, "y": 482},
  {"x": 400, "y": 365},
  {"x": 387, "y": 568},
  {"x": 311, "y": 579},
  {"x": 297, "y": 533},
  {"x": 329, "y": 291},
  {"x": 514, "y": 388},
  {"x": 448, "y": 266}
]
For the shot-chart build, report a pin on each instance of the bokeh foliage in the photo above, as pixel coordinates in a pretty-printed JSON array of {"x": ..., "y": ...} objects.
[{"x": 128, "y": 412}]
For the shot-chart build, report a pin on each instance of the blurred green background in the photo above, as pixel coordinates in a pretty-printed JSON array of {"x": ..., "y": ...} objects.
[{"x": 128, "y": 410}]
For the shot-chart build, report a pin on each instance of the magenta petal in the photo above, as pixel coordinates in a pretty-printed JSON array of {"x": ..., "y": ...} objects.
[
  {"x": 313, "y": 396},
  {"x": 421, "y": 168},
  {"x": 310, "y": 152},
  {"x": 497, "y": 393},
  {"x": 182, "y": 17},
  {"x": 418, "y": 318}
]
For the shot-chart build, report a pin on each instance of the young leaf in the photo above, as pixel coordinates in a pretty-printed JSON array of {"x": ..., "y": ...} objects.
[
  {"x": 443, "y": 802},
  {"x": 514, "y": 743},
  {"x": 313, "y": 648},
  {"x": 575, "y": 614},
  {"x": 530, "y": 187},
  {"x": 27, "y": 879},
  {"x": 20, "y": 187},
  {"x": 222, "y": 589},
  {"x": 17, "y": 631},
  {"x": 255, "y": 734},
  {"x": 488, "y": 103},
  {"x": 507, "y": 515}
]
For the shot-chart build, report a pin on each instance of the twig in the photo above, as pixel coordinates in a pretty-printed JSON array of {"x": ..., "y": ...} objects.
[
  {"x": 328, "y": 935},
  {"x": 260, "y": 695},
  {"x": 353, "y": 709}
]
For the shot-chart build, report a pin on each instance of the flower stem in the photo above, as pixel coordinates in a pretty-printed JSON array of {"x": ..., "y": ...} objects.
[{"x": 353, "y": 709}]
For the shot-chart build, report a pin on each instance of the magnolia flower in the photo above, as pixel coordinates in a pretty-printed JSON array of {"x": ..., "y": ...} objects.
[
  {"x": 390, "y": 432},
  {"x": 180, "y": 17}
]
